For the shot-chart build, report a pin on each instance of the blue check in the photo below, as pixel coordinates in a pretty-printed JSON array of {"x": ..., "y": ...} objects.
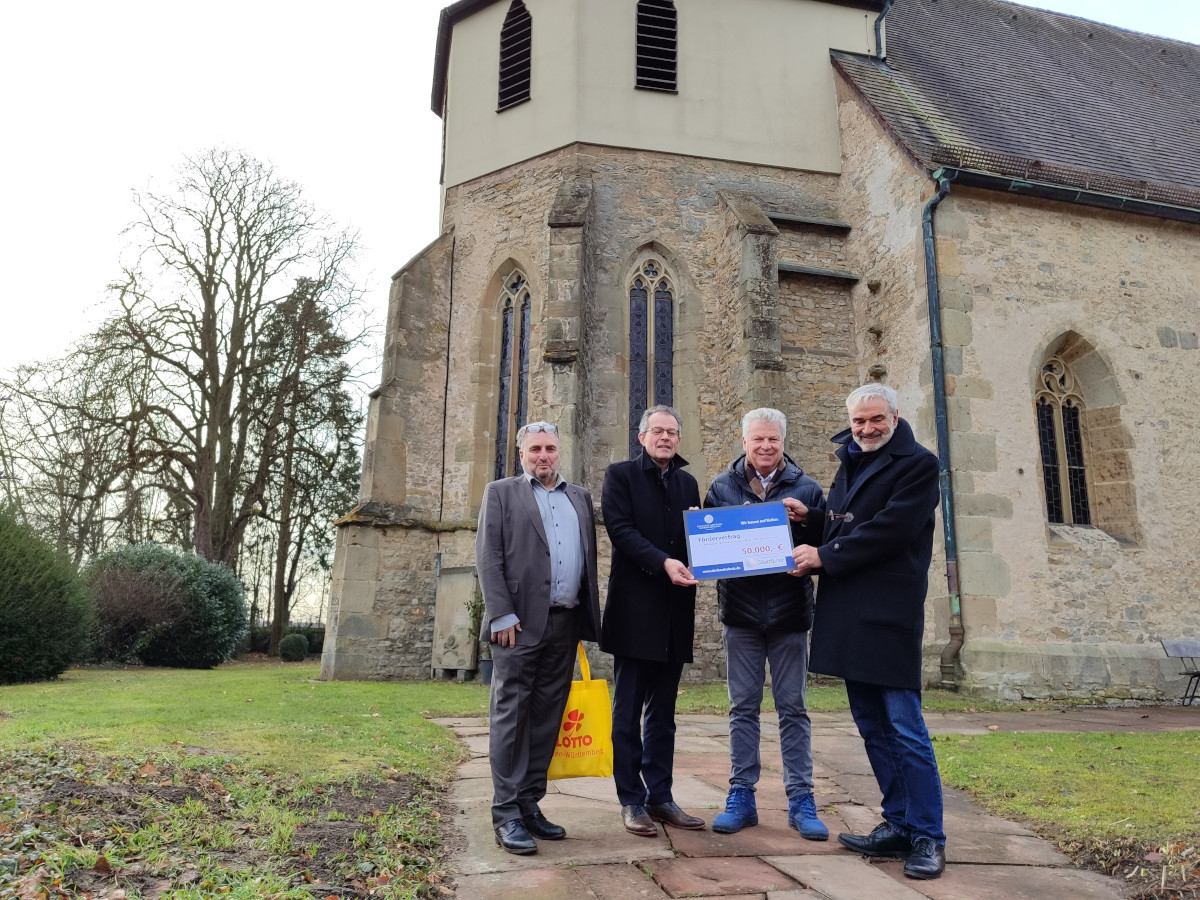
[{"x": 732, "y": 541}]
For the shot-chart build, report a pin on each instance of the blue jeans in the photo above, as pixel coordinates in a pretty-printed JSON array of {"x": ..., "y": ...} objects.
[
  {"x": 901, "y": 755},
  {"x": 747, "y": 650}
]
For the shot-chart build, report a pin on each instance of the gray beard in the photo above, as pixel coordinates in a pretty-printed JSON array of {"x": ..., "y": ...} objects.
[{"x": 882, "y": 443}]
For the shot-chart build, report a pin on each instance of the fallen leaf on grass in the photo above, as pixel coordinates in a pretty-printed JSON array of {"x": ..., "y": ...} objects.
[
  {"x": 103, "y": 866},
  {"x": 148, "y": 769}
]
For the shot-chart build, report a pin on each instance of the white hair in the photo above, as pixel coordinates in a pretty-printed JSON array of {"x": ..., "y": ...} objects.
[
  {"x": 767, "y": 416},
  {"x": 867, "y": 391}
]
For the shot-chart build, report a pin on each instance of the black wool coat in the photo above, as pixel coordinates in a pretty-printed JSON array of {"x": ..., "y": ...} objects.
[
  {"x": 646, "y": 616},
  {"x": 870, "y": 616}
]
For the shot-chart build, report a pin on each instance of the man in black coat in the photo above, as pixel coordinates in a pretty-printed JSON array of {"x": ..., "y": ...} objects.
[
  {"x": 873, "y": 565},
  {"x": 649, "y": 618}
]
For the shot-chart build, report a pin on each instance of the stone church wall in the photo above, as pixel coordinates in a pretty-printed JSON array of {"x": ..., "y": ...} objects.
[
  {"x": 706, "y": 223},
  {"x": 1048, "y": 610},
  {"x": 1075, "y": 609}
]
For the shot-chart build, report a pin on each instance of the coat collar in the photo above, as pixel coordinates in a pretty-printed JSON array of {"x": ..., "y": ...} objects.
[
  {"x": 903, "y": 442},
  {"x": 791, "y": 470},
  {"x": 647, "y": 463},
  {"x": 529, "y": 502}
]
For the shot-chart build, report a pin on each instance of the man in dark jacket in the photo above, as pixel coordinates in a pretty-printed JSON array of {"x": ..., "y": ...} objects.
[
  {"x": 649, "y": 618},
  {"x": 874, "y": 568},
  {"x": 766, "y": 618}
]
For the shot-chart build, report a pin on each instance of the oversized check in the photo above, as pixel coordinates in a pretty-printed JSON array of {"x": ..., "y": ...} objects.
[{"x": 732, "y": 541}]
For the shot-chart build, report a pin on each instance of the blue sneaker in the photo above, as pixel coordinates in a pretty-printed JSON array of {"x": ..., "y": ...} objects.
[
  {"x": 740, "y": 811},
  {"x": 802, "y": 817}
]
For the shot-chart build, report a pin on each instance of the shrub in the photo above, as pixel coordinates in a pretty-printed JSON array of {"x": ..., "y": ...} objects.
[
  {"x": 166, "y": 608},
  {"x": 44, "y": 613},
  {"x": 293, "y": 647},
  {"x": 260, "y": 637}
]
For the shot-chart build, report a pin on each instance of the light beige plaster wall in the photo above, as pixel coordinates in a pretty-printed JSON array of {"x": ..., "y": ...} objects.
[{"x": 738, "y": 67}]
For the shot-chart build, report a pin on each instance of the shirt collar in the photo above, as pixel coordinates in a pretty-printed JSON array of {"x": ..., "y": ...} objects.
[
  {"x": 765, "y": 479},
  {"x": 561, "y": 481}
]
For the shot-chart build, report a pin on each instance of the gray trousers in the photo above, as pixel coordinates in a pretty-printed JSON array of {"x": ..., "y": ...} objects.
[
  {"x": 747, "y": 651},
  {"x": 529, "y": 694}
]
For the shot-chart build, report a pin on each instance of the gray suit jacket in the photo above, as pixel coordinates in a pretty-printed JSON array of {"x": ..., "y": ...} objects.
[{"x": 512, "y": 559}]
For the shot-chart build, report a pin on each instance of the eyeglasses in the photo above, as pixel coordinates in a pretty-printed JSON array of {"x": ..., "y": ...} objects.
[
  {"x": 659, "y": 431},
  {"x": 538, "y": 427}
]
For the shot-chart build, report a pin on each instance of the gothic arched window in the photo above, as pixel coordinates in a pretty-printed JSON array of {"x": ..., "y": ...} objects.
[
  {"x": 651, "y": 344},
  {"x": 1060, "y": 436},
  {"x": 512, "y": 404},
  {"x": 657, "y": 45},
  {"x": 516, "y": 56}
]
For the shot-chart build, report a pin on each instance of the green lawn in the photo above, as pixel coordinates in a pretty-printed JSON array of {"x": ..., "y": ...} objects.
[
  {"x": 273, "y": 715},
  {"x": 248, "y": 781},
  {"x": 254, "y": 780}
]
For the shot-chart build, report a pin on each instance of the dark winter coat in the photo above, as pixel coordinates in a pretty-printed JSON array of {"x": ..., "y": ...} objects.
[
  {"x": 778, "y": 600},
  {"x": 875, "y": 566},
  {"x": 646, "y": 616}
]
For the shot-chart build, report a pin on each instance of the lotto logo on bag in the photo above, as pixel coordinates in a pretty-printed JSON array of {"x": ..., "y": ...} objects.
[{"x": 572, "y": 731}]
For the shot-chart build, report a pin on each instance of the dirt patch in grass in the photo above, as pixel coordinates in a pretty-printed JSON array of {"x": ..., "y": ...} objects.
[
  {"x": 365, "y": 798},
  {"x": 78, "y": 826},
  {"x": 1170, "y": 872}
]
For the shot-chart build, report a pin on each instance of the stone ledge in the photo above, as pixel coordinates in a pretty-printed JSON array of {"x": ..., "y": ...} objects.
[
  {"x": 378, "y": 514},
  {"x": 1009, "y": 671}
]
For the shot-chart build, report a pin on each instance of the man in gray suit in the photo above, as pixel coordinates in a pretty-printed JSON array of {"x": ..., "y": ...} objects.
[{"x": 535, "y": 553}]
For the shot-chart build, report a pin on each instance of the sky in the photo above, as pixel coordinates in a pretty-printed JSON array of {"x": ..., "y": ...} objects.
[{"x": 100, "y": 99}]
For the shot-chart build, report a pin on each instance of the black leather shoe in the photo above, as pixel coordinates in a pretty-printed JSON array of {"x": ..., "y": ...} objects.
[
  {"x": 637, "y": 821},
  {"x": 542, "y": 828},
  {"x": 515, "y": 838},
  {"x": 672, "y": 815},
  {"x": 883, "y": 841},
  {"x": 927, "y": 859}
]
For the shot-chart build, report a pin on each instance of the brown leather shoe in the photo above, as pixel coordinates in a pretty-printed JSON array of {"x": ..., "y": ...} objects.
[
  {"x": 672, "y": 815},
  {"x": 638, "y": 822}
]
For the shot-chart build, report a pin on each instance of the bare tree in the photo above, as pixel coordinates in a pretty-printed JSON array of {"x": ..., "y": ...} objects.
[
  {"x": 214, "y": 254},
  {"x": 69, "y": 462}
]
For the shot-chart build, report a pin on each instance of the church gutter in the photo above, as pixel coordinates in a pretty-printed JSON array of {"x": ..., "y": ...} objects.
[
  {"x": 1007, "y": 184},
  {"x": 949, "y": 659}
]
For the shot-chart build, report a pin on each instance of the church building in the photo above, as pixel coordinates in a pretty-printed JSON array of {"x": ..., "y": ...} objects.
[{"x": 726, "y": 204}]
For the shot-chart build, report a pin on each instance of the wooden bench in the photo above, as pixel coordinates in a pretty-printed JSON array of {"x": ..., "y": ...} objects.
[{"x": 1189, "y": 652}]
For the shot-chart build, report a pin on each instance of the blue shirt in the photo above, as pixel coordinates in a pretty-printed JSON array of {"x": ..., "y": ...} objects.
[{"x": 563, "y": 536}]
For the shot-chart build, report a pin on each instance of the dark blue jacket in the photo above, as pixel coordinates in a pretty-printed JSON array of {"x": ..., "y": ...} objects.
[
  {"x": 778, "y": 600},
  {"x": 645, "y": 615},
  {"x": 870, "y": 618}
]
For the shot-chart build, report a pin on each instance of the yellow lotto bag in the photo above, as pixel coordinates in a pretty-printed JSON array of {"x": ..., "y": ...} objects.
[{"x": 584, "y": 745}]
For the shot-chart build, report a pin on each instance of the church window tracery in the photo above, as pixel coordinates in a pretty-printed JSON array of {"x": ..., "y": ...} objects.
[
  {"x": 1058, "y": 406},
  {"x": 651, "y": 343},
  {"x": 512, "y": 402}
]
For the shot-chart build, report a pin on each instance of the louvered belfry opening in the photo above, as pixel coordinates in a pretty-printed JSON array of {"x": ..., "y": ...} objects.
[
  {"x": 656, "y": 45},
  {"x": 516, "y": 55}
]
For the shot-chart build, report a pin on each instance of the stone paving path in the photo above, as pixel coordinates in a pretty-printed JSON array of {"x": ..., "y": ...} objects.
[{"x": 989, "y": 858}]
